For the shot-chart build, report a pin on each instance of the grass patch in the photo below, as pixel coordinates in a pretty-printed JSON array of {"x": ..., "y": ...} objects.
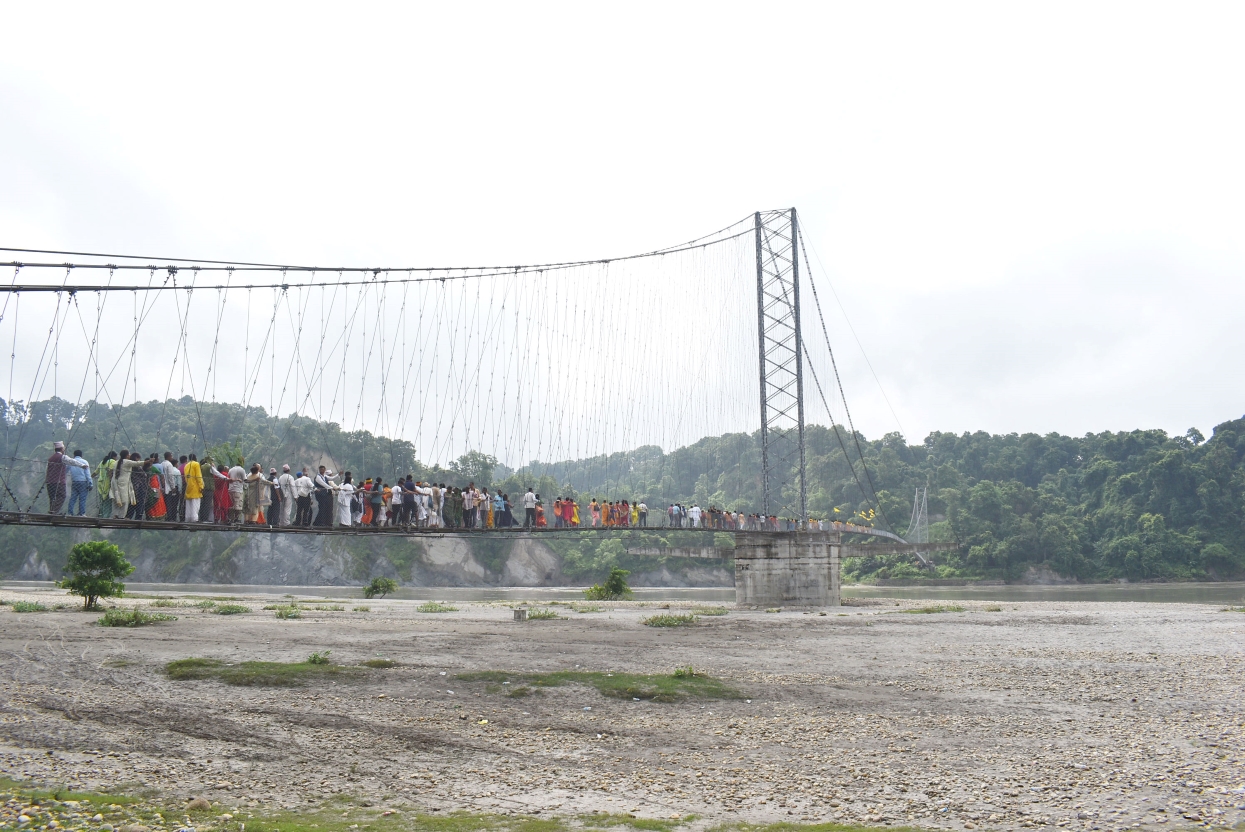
[
  {"x": 994, "y": 608},
  {"x": 380, "y": 664},
  {"x": 338, "y": 813},
  {"x": 586, "y": 608},
  {"x": 257, "y": 674},
  {"x": 286, "y": 613},
  {"x": 606, "y": 821},
  {"x": 329, "y": 608},
  {"x": 436, "y": 606},
  {"x": 230, "y": 609},
  {"x": 28, "y": 606},
  {"x": 933, "y": 609},
  {"x": 669, "y": 620},
  {"x": 680, "y": 685},
  {"x": 543, "y": 615},
  {"x": 167, "y": 602},
  {"x": 710, "y": 611},
  {"x": 361, "y": 609},
  {"x": 1233, "y": 609},
  {"x": 205, "y": 605},
  {"x": 132, "y": 618}
]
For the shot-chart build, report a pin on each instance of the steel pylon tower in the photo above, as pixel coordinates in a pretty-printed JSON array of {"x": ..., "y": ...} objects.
[{"x": 782, "y": 364}]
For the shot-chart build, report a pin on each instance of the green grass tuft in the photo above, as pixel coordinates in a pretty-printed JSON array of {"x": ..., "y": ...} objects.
[
  {"x": 132, "y": 618},
  {"x": 230, "y": 609},
  {"x": 205, "y": 605},
  {"x": 543, "y": 615},
  {"x": 361, "y": 609},
  {"x": 669, "y": 620},
  {"x": 329, "y": 608},
  {"x": 28, "y": 606},
  {"x": 994, "y": 608},
  {"x": 436, "y": 606},
  {"x": 320, "y": 658},
  {"x": 672, "y": 688},
  {"x": 286, "y": 613},
  {"x": 710, "y": 611},
  {"x": 257, "y": 674},
  {"x": 937, "y": 608}
]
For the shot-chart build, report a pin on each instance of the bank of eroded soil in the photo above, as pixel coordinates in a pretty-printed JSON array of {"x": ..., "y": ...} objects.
[{"x": 1097, "y": 716}]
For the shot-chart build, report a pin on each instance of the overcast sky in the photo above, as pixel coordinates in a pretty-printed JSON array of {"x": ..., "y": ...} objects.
[{"x": 1032, "y": 214}]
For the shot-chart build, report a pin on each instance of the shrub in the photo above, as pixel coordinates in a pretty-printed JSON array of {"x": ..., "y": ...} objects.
[
  {"x": 380, "y": 587},
  {"x": 133, "y": 618},
  {"x": 668, "y": 620},
  {"x": 286, "y": 613},
  {"x": 230, "y": 609},
  {"x": 435, "y": 606},
  {"x": 28, "y": 606},
  {"x": 95, "y": 570},
  {"x": 615, "y": 587},
  {"x": 319, "y": 658}
]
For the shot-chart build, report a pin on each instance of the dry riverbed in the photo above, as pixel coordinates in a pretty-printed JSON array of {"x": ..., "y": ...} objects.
[{"x": 1073, "y": 715}]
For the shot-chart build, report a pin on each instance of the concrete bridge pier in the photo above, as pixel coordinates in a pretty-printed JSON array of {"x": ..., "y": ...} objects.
[{"x": 797, "y": 569}]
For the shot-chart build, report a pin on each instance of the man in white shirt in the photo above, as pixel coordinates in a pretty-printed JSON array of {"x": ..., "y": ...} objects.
[
  {"x": 303, "y": 486},
  {"x": 285, "y": 482},
  {"x": 397, "y": 501},
  {"x": 642, "y": 508},
  {"x": 529, "y": 509},
  {"x": 469, "y": 505},
  {"x": 693, "y": 514}
]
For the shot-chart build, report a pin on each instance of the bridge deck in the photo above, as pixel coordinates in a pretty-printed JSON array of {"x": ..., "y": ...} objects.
[{"x": 29, "y": 518}]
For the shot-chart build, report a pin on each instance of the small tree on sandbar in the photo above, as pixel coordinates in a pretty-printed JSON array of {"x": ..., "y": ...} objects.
[
  {"x": 94, "y": 570},
  {"x": 380, "y": 587}
]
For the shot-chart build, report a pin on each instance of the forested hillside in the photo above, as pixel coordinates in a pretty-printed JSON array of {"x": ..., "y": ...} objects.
[{"x": 1137, "y": 505}]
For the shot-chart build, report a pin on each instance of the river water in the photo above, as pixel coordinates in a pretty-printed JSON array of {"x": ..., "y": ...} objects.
[{"x": 1226, "y": 593}]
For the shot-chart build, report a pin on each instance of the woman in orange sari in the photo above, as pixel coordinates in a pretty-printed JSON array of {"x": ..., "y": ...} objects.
[{"x": 540, "y": 514}]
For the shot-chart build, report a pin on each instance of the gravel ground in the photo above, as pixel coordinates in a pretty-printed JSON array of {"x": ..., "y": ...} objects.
[{"x": 1076, "y": 715}]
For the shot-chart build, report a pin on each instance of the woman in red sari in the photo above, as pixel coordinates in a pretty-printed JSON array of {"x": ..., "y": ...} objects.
[
  {"x": 156, "y": 507},
  {"x": 220, "y": 497}
]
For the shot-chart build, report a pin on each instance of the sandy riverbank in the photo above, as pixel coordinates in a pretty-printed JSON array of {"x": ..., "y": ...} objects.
[{"x": 1081, "y": 715}]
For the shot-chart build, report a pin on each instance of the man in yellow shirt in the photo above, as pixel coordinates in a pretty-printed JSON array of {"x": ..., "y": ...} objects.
[{"x": 192, "y": 476}]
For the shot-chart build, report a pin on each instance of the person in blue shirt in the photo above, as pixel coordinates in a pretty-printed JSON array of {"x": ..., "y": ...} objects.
[{"x": 80, "y": 482}]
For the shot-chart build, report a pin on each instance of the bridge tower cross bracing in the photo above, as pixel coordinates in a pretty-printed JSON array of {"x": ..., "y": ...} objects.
[{"x": 781, "y": 348}]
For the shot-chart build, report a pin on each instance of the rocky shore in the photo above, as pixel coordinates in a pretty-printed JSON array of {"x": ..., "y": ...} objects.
[{"x": 997, "y": 716}]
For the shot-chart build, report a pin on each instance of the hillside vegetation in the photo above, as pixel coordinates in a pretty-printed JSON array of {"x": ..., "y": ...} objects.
[{"x": 1138, "y": 505}]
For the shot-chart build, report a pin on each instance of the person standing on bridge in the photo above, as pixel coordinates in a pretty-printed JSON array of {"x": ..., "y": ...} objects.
[
  {"x": 80, "y": 484},
  {"x": 529, "y": 509},
  {"x": 303, "y": 488},
  {"x": 642, "y": 513},
  {"x": 237, "y": 494},
  {"x": 323, "y": 484},
  {"x": 192, "y": 476},
  {"x": 56, "y": 474},
  {"x": 103, "y": 483},
  {"x": 345, "y": 499},
  {"x": 285, "y": 484}
]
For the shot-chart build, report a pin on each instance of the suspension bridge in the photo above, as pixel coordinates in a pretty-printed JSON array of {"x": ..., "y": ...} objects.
[{"x": 521, "y": 364}]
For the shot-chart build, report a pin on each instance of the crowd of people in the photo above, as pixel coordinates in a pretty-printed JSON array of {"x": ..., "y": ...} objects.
[{"x": 188, "y": 490}]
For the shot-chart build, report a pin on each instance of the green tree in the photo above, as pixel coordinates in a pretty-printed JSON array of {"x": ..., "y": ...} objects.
[
  {"x": 95, "y": 569},
  {"x": 614, "y": 588},
  {"x": 380, "y": 587}
]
